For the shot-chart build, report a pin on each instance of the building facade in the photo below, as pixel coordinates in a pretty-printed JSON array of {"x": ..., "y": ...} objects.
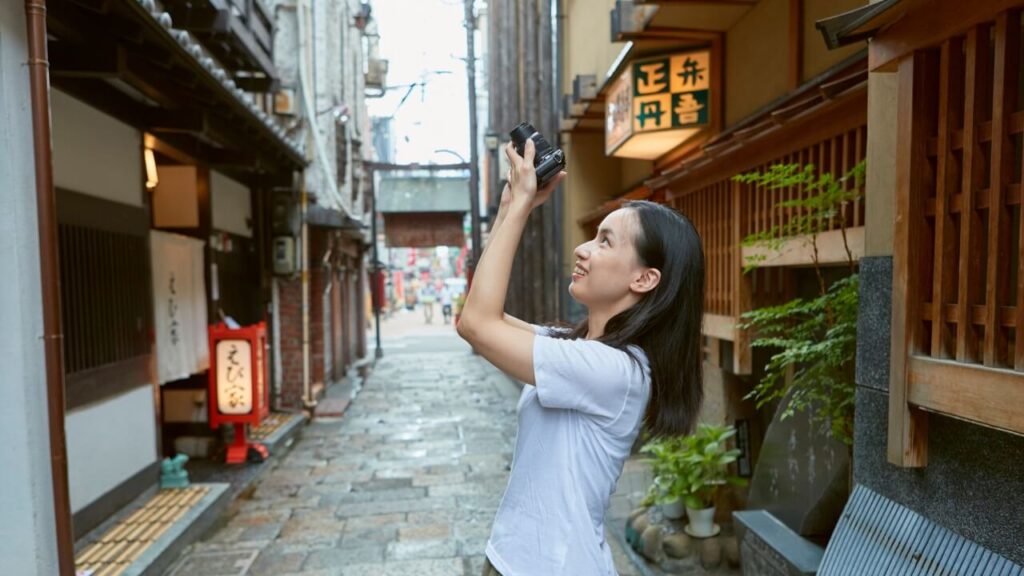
[
  {"x": 521, "y": 46},
  {"x": 189, "y": 190},
  {"x": 939, "y": 353}
]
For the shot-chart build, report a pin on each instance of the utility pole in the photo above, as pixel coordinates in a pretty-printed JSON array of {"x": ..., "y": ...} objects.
[
  {"x": 376, "y": 269},
  {"x": 474, "y": 161}
]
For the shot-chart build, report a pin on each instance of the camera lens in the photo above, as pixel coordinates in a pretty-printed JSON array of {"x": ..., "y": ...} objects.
[{"x": 520, "y": 134}]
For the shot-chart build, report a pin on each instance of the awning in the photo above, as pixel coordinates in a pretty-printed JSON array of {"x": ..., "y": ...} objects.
[
  {"x": 423, "y": 194},
  {"x": 860, "y": 24},
  {"x": 317, "y": 215},
  {"x": 129, "y": 59}
]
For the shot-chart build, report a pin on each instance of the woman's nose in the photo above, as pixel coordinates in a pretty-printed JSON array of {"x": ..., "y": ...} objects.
[{"x": 582, "y": 252}]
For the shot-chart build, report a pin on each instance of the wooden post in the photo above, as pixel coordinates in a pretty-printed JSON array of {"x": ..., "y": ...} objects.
[
  {"x": 908, "y": 427},
  {"x": 741, "y": 297}
]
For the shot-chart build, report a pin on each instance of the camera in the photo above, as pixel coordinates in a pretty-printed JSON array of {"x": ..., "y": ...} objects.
[{"x": 548, "y": 160}]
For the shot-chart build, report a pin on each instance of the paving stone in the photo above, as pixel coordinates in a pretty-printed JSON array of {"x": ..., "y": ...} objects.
[
  {"x": 273, "y": 563},
  {"x": 437, "y": 567},
  {"x": 416, "y": 549},
  {"x": 425, "y": 532},
  {"x": 406, "y": 482},
  {"x": 340, "y": 557}
]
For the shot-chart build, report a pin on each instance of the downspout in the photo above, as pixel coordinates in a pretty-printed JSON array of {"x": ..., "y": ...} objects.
[
  {"x": 559, "y": 197},
  {"x": 304, "y": 45},
  {"x": 38, "y": 67}
]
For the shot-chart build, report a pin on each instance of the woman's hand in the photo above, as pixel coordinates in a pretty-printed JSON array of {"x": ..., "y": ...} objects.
[{"x": 522, "y": 178}]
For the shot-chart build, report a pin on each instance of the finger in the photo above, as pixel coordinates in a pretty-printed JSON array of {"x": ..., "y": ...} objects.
[
  {"x": 554, "y": 182},
  {"x": 529, "y": 152},
  {"x": 513, "y": 157}
]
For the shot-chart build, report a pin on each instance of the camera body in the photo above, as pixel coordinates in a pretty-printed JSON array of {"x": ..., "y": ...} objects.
[{"x": 548, "y": 160}]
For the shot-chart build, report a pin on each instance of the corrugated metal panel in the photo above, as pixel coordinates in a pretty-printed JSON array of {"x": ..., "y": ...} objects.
[{"x": 878, "y": 536}]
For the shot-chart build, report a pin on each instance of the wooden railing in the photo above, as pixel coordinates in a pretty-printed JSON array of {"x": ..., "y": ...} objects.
[{"x": 726, "y": 212}]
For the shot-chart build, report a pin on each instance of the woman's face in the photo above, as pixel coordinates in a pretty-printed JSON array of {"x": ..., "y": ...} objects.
[{"x": 607, "y": 267}]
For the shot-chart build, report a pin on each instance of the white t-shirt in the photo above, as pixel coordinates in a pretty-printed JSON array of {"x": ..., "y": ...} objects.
[{"x": 576, "y": 428}]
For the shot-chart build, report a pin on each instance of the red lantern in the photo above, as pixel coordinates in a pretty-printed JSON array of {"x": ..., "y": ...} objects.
[{"x": 239, "y": 394}]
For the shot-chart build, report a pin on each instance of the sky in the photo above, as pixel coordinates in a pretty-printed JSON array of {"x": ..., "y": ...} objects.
[{"x": 424, "y": 41}]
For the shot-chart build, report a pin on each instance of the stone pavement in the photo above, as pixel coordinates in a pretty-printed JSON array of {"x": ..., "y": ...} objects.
[{"x": 406, "y": 482}]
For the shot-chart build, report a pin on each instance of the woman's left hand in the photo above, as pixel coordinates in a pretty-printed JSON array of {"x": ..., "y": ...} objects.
[{"x": 522, "y": 177}]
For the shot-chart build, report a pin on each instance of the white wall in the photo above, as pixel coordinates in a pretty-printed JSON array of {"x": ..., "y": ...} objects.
[
  {"x": 28, "y": 542},
  {"x": 95, "y": 154},
  {"x": 232, "y": 205},
  {"x": 108, "y": 442}
]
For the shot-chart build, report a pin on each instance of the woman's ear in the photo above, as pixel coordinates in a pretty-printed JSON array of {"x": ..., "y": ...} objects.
[{"x": 647, "y": 280}]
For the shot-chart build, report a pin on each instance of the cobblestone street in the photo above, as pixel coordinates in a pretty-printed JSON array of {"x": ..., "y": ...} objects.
[{"x": 406, "y": 482}]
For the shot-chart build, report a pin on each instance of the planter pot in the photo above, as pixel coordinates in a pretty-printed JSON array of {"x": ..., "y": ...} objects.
[
  {"x": 673, "y": 511},
  {"x": 702, "y": 522}
]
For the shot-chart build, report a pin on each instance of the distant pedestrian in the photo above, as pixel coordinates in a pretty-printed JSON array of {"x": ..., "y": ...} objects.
[
  {"x": 634, "y": 362},
  {"x": 428, "y": 298},
  {"x": 446, "y": 304}
]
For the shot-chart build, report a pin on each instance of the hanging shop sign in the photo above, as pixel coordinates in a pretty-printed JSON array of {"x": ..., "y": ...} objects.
[{"x": 657, "y": 104}]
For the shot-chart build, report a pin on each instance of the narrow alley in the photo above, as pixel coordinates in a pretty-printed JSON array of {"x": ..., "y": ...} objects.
[{"x": 406, "y": 482}]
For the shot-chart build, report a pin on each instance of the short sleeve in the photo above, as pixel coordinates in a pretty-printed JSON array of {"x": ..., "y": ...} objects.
[{"x": 583, "y": 375}]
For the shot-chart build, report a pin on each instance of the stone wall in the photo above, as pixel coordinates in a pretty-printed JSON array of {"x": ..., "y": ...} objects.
[{"x": 974, "y": 481}]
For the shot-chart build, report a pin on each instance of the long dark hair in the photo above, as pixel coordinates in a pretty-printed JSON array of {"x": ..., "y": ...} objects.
[{"x": 666, "y": 322}]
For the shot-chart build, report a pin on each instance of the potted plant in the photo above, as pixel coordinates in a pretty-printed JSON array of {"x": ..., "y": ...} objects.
[
  {"x": 705, "y": 458},
  {"x": 668, "y": 487}
]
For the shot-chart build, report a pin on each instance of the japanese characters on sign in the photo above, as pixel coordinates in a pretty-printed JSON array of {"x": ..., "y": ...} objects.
[
  {"x": 663, "y": 93},
  {"x": 619, "y": 112},
  {"x": 234, "y": 377}
]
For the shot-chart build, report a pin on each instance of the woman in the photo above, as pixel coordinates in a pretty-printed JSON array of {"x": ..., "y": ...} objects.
[{"x": 635, "y": 360}]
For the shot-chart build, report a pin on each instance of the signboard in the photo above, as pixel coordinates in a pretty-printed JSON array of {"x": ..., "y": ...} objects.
[
  {"x": 424, "y": 229},
  {"x": 658, "y": 103},
  {"x": 234, "y": 377}
]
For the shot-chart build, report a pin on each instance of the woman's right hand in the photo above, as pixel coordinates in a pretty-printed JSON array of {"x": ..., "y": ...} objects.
[{"x": 522, "y": 177}]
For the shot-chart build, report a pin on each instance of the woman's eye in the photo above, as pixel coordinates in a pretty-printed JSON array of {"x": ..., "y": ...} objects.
[{"x": 604, "y": 241}]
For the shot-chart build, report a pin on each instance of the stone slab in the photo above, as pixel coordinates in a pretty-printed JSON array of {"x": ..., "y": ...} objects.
[{"x": 770, "y": 548}]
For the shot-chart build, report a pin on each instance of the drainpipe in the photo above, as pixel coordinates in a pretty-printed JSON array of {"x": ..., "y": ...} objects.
[
  {"x": 307, "y": 395},
  {"x": 305, "y": 38},
  {"x": 38, "y": 67}
]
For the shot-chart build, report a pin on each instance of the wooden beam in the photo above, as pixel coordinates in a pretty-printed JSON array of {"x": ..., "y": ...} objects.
[
  {"x": 661, "y": 33},
  {"x": 799, "y": 251},
  {"x": 989, "y": 396},
  {"x": 98, "y": 60},
  {"x": 947, "y": 181},
  {"x": 927, "y": 24},
  {"x": 1006, "y": 35},
  {"x": 742, "y": 295},
  {"x": 907, "y": 444},
  {"x": 975, "y": 93},
  {"x": 720, "y": 327}
]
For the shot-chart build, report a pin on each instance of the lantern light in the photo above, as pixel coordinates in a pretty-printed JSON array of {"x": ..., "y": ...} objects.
[
  {"x": 152, "y": 179},
  {"x": 238, "y": 386}
]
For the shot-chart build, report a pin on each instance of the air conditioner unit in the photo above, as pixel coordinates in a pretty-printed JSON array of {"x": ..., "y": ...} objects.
[
  {"x": 630, "y": 17},
  {"x": 376, "y": 73},
  {"x": 584, "y": 87}
]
